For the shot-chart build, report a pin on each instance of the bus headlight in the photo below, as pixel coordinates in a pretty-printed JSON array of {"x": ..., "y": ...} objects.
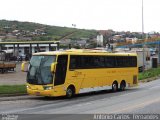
[
  {"x": 27, "y": 86},
  {"x": 48, "y": 87}
]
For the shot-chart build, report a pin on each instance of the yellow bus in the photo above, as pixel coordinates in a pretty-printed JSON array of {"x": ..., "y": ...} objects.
[{"x": 70, "y": 72}]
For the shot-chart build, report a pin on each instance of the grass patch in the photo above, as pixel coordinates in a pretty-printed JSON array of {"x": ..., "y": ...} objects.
[
  {"x": 149, "y": 73},
  {"x": 13, "y": 89}
]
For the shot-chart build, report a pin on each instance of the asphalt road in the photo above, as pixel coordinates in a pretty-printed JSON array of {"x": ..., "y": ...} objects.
[{"x": 143, "y": 99}]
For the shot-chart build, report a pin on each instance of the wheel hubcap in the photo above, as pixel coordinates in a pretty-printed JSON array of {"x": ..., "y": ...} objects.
[
  {"x": 69, "y": 93},
  {"x": 114, "y": 87},
  {"x": 122, "y": 87}
]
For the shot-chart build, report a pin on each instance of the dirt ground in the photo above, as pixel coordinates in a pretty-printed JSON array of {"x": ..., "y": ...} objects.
[{"x": 13, "y": 77}]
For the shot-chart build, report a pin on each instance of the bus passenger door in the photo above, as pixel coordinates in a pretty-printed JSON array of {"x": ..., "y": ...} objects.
[{"x": 61, "y": 69}]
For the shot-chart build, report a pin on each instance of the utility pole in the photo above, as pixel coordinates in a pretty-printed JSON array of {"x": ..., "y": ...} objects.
[
  {"x": 143, "y": 38},
  {"x": 142, "y": 21}
]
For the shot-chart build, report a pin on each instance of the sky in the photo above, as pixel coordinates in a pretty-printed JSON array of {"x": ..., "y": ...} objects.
[{"x": 118, "y": 15}]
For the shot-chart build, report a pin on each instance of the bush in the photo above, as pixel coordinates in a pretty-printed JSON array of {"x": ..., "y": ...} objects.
[{"x": 149, "y": 73}]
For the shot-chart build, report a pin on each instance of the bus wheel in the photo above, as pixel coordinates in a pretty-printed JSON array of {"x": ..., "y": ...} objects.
[
  {"x": 123, "y": 85},
  {"x": 70, "y": 92},
  {"x": 114, "y": 86}
]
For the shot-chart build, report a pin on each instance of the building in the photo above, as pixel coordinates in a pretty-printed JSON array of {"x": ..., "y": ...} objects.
[
  {"x": 131, "y": 40},
  {"x": 100, "y": 40},
  {"x": 27, "y": 48}
]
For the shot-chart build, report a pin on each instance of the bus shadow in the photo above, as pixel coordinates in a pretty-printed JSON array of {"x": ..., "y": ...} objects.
[
  {"x": 96, "y": 95},
  {"x": 105, "y": 93},
  {"x": 47, "y": 98}
]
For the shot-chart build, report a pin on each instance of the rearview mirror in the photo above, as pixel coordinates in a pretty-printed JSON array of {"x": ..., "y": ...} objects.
[
  {"x": 24, "y": 66},
  {"x": 53, "y": 67}
]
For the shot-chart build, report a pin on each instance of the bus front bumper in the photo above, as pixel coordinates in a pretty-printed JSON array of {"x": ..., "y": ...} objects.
[{"x": 40, "y": 92}]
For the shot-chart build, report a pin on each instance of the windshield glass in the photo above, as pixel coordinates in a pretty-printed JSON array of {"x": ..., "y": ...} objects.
[{"x": 39, "y": 70}]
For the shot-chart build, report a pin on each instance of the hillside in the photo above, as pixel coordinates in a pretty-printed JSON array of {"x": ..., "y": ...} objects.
[{"x": 18, "y": 31}]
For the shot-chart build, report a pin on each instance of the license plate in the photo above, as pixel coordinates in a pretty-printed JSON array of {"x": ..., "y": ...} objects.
[{"x": 37, "y": 93}]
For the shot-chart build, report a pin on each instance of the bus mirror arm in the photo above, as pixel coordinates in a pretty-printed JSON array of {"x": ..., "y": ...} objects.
[
  {"x": 53, "y": 67},
  {"x": 24, "y": 66}
]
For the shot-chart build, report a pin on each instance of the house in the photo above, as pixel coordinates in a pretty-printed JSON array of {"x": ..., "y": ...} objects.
[
  {"x": 100, "y": 40},
  {"x": 131, "y": 40}
]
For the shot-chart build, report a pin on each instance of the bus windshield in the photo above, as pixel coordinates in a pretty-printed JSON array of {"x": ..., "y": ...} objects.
[{"x": 39, "y": 70}]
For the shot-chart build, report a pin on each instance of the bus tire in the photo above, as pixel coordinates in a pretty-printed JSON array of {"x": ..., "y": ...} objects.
[
  {"x": 114, "y": 86},
  {"x": 70, "y": 92},
  {"x": 122, "y": 85}
]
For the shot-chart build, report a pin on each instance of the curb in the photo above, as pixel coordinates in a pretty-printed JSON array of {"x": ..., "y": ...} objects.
[
  {"x": 9, "y": 97},
  {"x": 14, "y": 98},
  {"x": 150, "y": 79},
  {"x": 13, "y": 95}
]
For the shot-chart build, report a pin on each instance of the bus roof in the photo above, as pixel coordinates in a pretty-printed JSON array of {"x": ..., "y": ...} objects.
[{"x": 83, "y": 52}]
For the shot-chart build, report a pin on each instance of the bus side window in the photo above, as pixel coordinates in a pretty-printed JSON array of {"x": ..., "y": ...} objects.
[
  {"x": 133, "y": 61},
  {"x": 102, "y": 61},
  {"x": 121, "y": 61},
  {"x": 72, "y": 63},
  {"x": 126, "y": 61},
  {"x": 110, "y": 61},
  {"x": 99, "y": 61},
  {"x": 79, "y": 62},
  {"x": 76, "y": 62},
  {"x": 129, "y": 62},
  {"x": 95, "y": 62}
]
